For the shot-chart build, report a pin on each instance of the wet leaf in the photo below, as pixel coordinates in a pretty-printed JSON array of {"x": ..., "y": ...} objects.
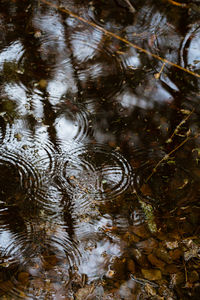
[
  {"x": 152, "y": 274},
  {"x": 85, "y": 292},
  {"x": 171, "y": 269},
  {"x": 23, "y": 277},
  {"x": 155, "y": 261},
  {"x": 175, "y": 254},
  {"x": 131, "y": 266},
  {"x": 140, "y": 231},
  {"x": 147, "y": 246},
  {"x": 193, "y": 276}
]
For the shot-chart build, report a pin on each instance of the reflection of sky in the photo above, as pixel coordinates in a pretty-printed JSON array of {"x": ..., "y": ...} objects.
[
  {"x": 12, "y": 53},
  {"x": 52, "y": 30},
  {"x": 97, "y": 255},
  {"x": 194, "y": 51},
  {"x": 129, "y": 100},
  {"x": 86, "y": 44},
  {"x": 53, "y": 41},
  {"x": 18, "y": 93},
  {"x": 5, "y": 238},
  {"x": 61, "y": 83},
  {"x": 131, "y": 58},
  {"x": 66, "y": 129},
  {"x": 170, "y": 83},
  {"x": 94, "y": 263}
]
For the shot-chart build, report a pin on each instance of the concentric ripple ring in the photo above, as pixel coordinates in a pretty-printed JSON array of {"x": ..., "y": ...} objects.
[{"x": 94, "y": 170}]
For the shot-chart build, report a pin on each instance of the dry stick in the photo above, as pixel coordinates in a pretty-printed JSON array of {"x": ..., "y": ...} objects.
[
  {"x": 183, "y": 5},
  {"x": 157, "y": 75},
  {"x": 109, "y": 33}
]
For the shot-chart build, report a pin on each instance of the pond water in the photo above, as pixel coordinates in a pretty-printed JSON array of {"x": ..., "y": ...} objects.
[{"x": 99, "y": 149}]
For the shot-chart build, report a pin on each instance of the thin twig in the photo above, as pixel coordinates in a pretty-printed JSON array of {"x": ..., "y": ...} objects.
[
  {"x": 183, "y": 5},
  {"x": 170, "y": 140},
  {"x": 171, "y": 152},
  {"x": 109, "y": 33},
  {"x": 166, "y": 157},
  {"x": 179, "y": 125},
  {"x": 157, "y": 75}
]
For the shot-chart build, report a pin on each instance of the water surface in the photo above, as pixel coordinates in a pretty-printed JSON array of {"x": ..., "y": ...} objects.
[{"x": 99, "y": 149}]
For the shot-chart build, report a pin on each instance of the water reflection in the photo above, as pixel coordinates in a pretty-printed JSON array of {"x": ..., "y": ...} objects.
[
  {"x": 170, "y": 184},
  {"x": 43, "y": 252},
  {"x": 99, "y": 150},
  {"x": 96, "y": 171},
  {"x": 189, "y": 48},
  {"x": 74, "y": 119}
]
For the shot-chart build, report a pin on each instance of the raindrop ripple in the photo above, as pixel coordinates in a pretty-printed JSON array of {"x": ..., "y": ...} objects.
[{"x": 94, "y": 171}]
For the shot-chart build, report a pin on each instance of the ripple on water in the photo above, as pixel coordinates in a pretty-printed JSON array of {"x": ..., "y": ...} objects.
[
  {"x": 37, "y": 148},
  {"x": 6, "y": 132},
  {"x": 93, "y": 172},
  {"x": 189, "y": 52},
  {"x": 42, "y": 254},
  {"x": 42, "y": 153},
  {"x": 27, "y": 165},
  {"x": 17, "y": 175},
  {"x": 73, "y": 121},
  {"x": 99, "y": 71}
]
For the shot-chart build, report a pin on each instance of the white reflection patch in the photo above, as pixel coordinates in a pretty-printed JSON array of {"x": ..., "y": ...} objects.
[{"x": 11, "y": 53}]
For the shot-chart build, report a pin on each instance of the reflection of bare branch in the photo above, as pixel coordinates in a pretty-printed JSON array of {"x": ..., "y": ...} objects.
[
  {"x": 73, "y": 63},
  {"x": 130, "y": 6},
  {"x": 49, "y": 118},
  {"x": 186, "y": 44},
  {"x": 109, "y": 33}
]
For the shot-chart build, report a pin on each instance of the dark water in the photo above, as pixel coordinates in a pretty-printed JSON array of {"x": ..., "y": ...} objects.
[{"x": 99, "y": 149}]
